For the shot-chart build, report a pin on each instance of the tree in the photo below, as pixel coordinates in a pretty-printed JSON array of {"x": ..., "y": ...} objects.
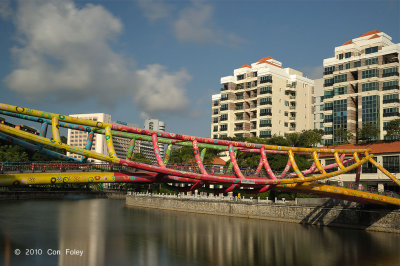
[
  {"x": 140, "y": 158},
  {"x": 185, "y": 155},
  {"x": 343, "y": 134},
  {"x": 393, "y": 129},
  {"x": 368, "y": 132}
]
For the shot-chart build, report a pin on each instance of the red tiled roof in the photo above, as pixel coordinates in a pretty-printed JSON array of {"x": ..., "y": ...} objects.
[
  {"x": 348, "y": 42},
  {"x": 376, "y": 148},
  {"x": 370, "y": 33},
  {"x": 218, "y": 161},
  {"x": 265, "y": 60},
  {"x": 374, "y": 37},
  {"x": 245, "y": 65}
]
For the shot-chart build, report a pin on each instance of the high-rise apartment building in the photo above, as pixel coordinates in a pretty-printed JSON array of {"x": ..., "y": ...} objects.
[
  {"x": 318, "y": 104},
  {"x": 146, "y": 147},
  {"x": 262, "y": 99},
  {"x": 79, "y": 138},
  {"x": 361, "y": 85}
]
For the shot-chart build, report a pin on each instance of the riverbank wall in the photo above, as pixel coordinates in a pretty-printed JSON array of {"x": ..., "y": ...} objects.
[{"x": 323, "y": 212}]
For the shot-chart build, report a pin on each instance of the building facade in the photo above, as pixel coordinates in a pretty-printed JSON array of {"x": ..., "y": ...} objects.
[
  {"x": 318, "y": 104},
  {"x": 79, "y": 138},
  {"x": 146, "y": 147},
  {"x": 260, "y": 100},
  {"x": 361, "y": 85}
]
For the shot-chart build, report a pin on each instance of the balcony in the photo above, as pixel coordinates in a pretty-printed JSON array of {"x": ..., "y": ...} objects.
[
  {"x": 292, "y": 97},
  {"x": 328, "y": 72},
  {"x": 266, "y": 114},
  {"x": 292, "y": 107},
  {"x": 240, "y": 97},
  {"x": 292, "y": 128},
  {"x": 292, "y": 118},
  {"x": 390, "y": 114},
  {"x": 266, "y": 125},
  {"x": 392, "y": 87},
  {"x": 253, "y": 116},
  {"x": 238, "y": 128},
  {"x": 390, "y": 74},
  {"x": 240, "y": 107},
  {"x": 240, "y": 118},
  {"x": 391, "y": 101},
  {"x": 265, "y": 92},
  {"x": 266, "y": 103}
]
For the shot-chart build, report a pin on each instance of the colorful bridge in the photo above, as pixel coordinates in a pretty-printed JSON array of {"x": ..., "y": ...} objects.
[{"x": 125, "y": 170}]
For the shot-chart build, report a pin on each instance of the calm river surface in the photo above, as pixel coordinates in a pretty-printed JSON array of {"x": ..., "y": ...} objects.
[{"x": 109, "y": 233}]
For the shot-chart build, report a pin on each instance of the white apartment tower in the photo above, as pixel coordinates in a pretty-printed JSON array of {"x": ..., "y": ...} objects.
[
  {"x": 79, "y": 138},
  {"x": 261, "y": 100},
  {"x": 318, "y": 104},
  {"x": 146, "y": 147},
  {"x": 361, "y": 85}
]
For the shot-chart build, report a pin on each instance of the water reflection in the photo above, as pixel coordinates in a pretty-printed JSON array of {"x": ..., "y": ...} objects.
[{"x": 111, "y": 234}]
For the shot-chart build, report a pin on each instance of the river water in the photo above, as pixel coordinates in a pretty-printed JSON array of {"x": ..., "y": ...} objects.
[{"x": 98, "y": 232}]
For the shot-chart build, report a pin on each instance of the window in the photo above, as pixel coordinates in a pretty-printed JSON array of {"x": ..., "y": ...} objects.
[
  {"x": 255, "y": 74},
  {"x": 223, "y": 128},
  {"x": 328, "y": 82},
  {"x": 240, "y": 77},
  {"x": 215, "y": 128},
  {"x": 371, "y": 61},
  {"x": 239, "y": 117},
  {"x": 328, "y": 130},
  {"x": 264, "y": 101},
  {"x": 390, "y": 85},
  {"x": 216, "y": 103},
  {"x": 266, "y": 111},
  {"x": 223, "y": 117},
  {"x": 369, "y": 73},
  {"x": 388, "y": 72},
  {"x": 340, "y": 78},
  {"x": 394, "y": 111},
  {"x": 357, "y": 64},
  {"x": 370, "y": 109},
  {"x": 328, "y": 94},
  {"x": 391, "y": 163},
  {"x": 286, "y": 124},
  {"x": 215, "y": 120},
  {"x": 347, "y": 55},
  {"x": 328, "y": 106},
  {"x": 239, "y": 96},
  {"x": 265, "y": 123},
  {"x": 224, "y": 107},
  {"x": 255, "y": 83},
  {"x": 286, "y": 114},
  {"x": 340, "y": 67},
  {"x": 371, "y": 50},
  {"x": 340, "y": 90},
  {"x": 248, "y": 85},
  {"x": 328, "y": 118},
  {"x": 391, "y": 98},
  {"x": 369, "y": 167},
  {"x": 329, "y": 70},
  {"x": 264, "y": 90},
  {"x": 321, "y": 116},
  {"x": 224, "y": 97},
  {"x": 266, "y": 79},
  {"x": 339, "y": 118},
  {"x": 370, "y": 86},
  {"x": 215, "y": 112},
  {"x": 340, "y": 56},
  {"x": 347, "y": 65},
  {"x": 239, "y": 106},
  {"x": 265, "y": 134},
  {"x": 215, "y": 136}
]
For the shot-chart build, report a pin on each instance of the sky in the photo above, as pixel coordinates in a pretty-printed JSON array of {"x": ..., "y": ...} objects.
[{"x": 137, "y": 59}]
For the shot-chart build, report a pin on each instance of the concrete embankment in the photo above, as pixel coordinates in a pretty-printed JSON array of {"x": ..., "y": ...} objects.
[
  {"x": 329, "y": 212},
  {"x": 35, "y": 195}
]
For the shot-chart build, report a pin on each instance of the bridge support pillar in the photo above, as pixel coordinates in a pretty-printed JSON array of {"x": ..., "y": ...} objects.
[
  {"x": 196, "y": 193},
  {"x": 381, "y": 187}
]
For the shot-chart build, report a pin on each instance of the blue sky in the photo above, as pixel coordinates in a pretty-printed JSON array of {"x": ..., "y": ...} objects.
[{"x": 164, "y": 59}]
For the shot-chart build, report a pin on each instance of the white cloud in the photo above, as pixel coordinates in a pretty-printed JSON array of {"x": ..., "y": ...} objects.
[
  {"x": 160, "y": 91},
  {"x": 65, "y": 56},
  {"x": 154, "y": 9},
  {"x": 315, "y": 72},
  {"x": 5, "y": 9}
]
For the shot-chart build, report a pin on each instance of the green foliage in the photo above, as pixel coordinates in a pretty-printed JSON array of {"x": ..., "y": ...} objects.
[
  {"x": 185, "y": 155},
  {"x": 343, "y": 134},
  {"x": 393, "y": 129},
  {"x": 140, "y": 158},
  {"x": 369, "y": 132},
  {"x": 13, "y": 153}
]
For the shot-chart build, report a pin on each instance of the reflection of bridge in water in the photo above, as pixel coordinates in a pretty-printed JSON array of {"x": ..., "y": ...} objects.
[{"x": 312, "y": 180}]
